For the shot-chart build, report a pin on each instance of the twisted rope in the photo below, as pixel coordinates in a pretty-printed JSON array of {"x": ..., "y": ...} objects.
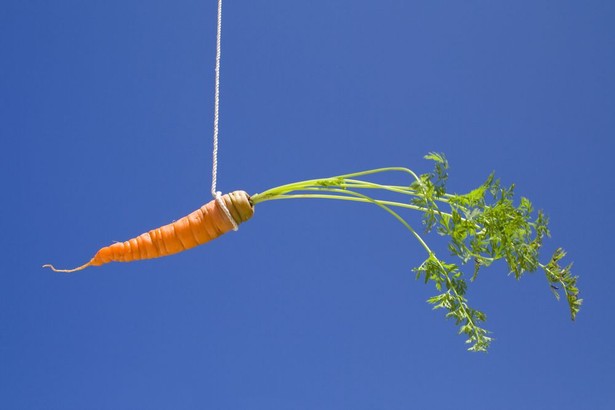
[{"x": 214, "y": 172}]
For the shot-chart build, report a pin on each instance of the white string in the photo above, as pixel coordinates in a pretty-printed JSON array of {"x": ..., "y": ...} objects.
[{"x": 214, "y": 173}]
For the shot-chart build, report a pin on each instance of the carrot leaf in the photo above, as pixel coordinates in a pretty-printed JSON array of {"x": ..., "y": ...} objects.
[{"x": 482, "y": 226}]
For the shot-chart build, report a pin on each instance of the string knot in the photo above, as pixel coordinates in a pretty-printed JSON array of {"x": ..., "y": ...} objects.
[{"x": 222, "y": 205}]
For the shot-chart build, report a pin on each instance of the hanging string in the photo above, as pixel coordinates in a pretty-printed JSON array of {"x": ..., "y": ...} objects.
[{"x": 214, "y": 173}]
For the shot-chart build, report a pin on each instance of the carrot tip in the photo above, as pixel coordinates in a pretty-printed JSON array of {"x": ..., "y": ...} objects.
[{"x": 66, "y": 270}]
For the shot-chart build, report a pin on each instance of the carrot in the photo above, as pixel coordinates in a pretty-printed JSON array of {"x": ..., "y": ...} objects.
[
  {"x": 484, "y": 225},
  {"x": 203, "y": 225}
]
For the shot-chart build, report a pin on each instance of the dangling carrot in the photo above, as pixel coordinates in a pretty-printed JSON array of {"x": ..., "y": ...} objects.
[
  {"x": 483, "y": 225},
  {"x": 202, "y": 225}
]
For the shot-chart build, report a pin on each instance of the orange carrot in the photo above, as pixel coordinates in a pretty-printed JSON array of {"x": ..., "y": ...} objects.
[{"x": 202, "y": 225}]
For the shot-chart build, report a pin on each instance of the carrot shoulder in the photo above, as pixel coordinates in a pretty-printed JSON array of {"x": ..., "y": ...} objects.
[{"x": 201, "y": 226}]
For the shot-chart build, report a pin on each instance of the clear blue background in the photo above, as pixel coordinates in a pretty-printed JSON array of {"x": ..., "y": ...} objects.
[{"x": 106, "y": 116}]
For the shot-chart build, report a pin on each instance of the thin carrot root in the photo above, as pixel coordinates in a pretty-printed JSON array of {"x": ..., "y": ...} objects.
[
  {"x": 203, "y": 225},
  {"x": 67, "y": 270}
]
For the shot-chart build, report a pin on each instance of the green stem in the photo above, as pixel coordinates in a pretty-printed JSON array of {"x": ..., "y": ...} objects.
[
  {"x": 256, "y": 198},
  {"x": 358, "y": 184},
  {"x": 347, "y": 198},
  {"x": 396, "y": 215}
]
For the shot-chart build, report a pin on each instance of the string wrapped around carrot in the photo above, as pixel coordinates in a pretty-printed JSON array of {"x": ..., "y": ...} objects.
[
  {"x": 201, "y": 226},
  {"x": 483, "y": 226}
]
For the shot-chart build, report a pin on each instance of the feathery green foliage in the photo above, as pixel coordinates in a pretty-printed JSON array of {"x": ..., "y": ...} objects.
[{"x": 482, "y": 226}]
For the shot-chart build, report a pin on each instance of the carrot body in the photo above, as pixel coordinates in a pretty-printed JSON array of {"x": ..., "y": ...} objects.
[{"x": 203, "y": 225}]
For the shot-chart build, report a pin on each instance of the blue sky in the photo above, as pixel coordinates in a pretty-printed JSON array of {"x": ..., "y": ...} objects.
[{"x": 106, "y": 117}]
